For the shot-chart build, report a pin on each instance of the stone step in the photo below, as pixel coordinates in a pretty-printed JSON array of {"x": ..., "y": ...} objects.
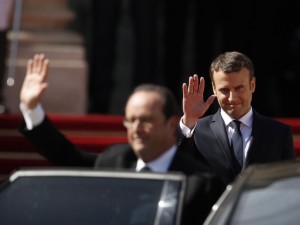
[
  {"x": 43, "y": 30},
  {"x": 45, "y": 14},
  {"x": 46, "y": 19},
  {"x": 67, "y": 72},
  {"x": 66, "y": 94},
  {"x": 46, "y": 36},
  {"x": 67, "y": 80}
]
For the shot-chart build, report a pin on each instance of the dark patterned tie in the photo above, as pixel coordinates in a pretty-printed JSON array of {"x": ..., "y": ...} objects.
[
  {"x": 145, "y": 169},
  {"x": 237, "y": 142}
]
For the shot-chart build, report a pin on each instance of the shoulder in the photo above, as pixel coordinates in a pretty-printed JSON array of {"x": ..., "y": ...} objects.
[
  {"x": 113, "y": 155},
  {"x": 116, "y": 150},
  {"x": 204, "y": 123},
  {"x": 207, "y": 120},
  {"x": 269, "y": 122}
]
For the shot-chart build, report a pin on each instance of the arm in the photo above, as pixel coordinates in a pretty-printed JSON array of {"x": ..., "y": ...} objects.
[
  {"x": 193, "y": 104},
  {"x": 51, "y": 143}
]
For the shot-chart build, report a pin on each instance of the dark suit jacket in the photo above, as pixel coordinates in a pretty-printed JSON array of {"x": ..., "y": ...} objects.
[
  {"x": 271, "y": 141},
  {"x": 203, "y": 187}
]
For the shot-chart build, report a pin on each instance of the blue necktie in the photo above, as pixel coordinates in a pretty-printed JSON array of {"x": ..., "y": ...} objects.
[{"x": 237, "y": 142}]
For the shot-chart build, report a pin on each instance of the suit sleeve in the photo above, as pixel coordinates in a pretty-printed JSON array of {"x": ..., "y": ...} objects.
[{"x": 55, "y": 147}]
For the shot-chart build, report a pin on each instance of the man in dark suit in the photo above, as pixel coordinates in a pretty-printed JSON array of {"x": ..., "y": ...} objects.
[
  {"x": 209, "y": 139},
  {"x": 151, "y": 119}
]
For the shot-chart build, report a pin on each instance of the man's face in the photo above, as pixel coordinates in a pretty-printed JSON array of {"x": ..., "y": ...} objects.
[
  {"x": 234, "y": 92},
  {"x": 148, "y": 131}
]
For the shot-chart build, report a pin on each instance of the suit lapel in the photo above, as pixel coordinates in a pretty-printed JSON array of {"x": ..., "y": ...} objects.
[
  {"x": 175, "y": 164},
  {"x": 256, "y": 137},
  {"x": 123, "y": 157},
  {"x": 129, "y": 160}
]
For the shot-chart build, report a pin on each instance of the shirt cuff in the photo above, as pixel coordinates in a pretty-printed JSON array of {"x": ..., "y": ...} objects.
[
  {"x": 33, "y": 117},
  {"x": 187, "y": 132}
]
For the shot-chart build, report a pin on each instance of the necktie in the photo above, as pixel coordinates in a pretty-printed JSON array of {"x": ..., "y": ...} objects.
[
  {"x": 237, "y": 142},
  {"x": 145, "y": 169}
]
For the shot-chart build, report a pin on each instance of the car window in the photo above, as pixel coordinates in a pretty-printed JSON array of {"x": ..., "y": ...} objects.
[
  {"x": 89, "y": 200},
  {"x": 276, "y": 203}
]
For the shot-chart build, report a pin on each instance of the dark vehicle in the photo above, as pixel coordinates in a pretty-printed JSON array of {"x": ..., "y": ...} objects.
[
  {"x": 262, "y": 195},
  {"x": 73, "y": 197}
]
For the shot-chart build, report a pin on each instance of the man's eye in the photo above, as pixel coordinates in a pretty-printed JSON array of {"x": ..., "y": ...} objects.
[
  {"x": 224, "y": 91},
  {"x": 240, "y": 88},
  {"x": 146, "y": 120}
]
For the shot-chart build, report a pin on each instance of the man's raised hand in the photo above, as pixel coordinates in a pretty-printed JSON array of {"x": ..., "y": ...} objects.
[
  {"x": 34, "y": 83},
  {"x": 193, "y": 104}
]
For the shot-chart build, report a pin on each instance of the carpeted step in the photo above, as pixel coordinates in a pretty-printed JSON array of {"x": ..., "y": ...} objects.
[
  {"x": 71, "y": 122},
  {"x": 89, "y": 132}
]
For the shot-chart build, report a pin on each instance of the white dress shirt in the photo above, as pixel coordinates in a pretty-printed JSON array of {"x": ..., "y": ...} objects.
[
  {"x": 161, "y": 164},
  {"x": 33, "y": 117}
]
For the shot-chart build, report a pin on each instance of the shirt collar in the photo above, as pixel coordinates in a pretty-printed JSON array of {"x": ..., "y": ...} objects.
[
  {"x": 161, "y": 164},
  {"x": 247, "y": 119}
]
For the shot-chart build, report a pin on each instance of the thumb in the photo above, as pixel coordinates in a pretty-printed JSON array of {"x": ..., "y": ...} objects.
[{"x": 210, "y": 100}]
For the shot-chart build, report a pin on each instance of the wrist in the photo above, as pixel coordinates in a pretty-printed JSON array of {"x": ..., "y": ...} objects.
[
  {"x": 190, "y": 123},
  {"x": 28, "y": 105}
]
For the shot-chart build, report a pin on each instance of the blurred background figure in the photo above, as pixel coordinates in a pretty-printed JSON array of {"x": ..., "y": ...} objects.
[{"x": 6, "y": 7}]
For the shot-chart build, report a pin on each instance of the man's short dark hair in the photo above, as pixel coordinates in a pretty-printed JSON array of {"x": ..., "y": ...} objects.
[
  {"x": 170, "y": 105},
  {"x": 229, "y": 62}
]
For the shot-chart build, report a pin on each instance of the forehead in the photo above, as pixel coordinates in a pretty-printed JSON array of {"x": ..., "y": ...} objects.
[
  {"x": 145, "y": 102},
  {"x": 232, "y": 78}
]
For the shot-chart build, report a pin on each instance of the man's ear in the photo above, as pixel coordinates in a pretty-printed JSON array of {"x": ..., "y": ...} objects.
[
  {"x": 253, "y": 84},
  {"x": 213, "y": 88},
  {"x": 174, "y": 121}
]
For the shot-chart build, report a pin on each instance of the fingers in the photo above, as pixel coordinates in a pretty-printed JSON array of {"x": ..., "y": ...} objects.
[
  {"x": 37, "y": 64},
  {"x": 201, "y": 85},
  {"x": 184, "y": 90},
  {"x": 38, "y": 61},
  {"x": 44, "y": 69},
  {"x": 191, "y": 85},
  {"x": 29, "y": 66},
  {"x": 210, "y": 100},
  {"x": 195, "y": 85}
]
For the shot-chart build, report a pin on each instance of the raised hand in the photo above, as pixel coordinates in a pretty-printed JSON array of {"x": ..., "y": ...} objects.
[
  {"x": 193, "y": 105},
  {"x": 34, "y": 83}
]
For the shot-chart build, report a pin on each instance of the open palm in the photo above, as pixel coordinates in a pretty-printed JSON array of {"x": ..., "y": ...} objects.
[
  {"x": 193, "y": 104},
  {"x": 34, "y": 83}
]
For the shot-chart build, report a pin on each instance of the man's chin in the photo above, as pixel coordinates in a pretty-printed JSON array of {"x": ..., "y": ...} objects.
[
  {"x": 138, "y": 147},
  {"x": 233, "y": 112}
]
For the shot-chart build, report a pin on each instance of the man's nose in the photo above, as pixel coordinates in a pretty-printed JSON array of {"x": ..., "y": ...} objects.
[{"x": 232, "y": 96}]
